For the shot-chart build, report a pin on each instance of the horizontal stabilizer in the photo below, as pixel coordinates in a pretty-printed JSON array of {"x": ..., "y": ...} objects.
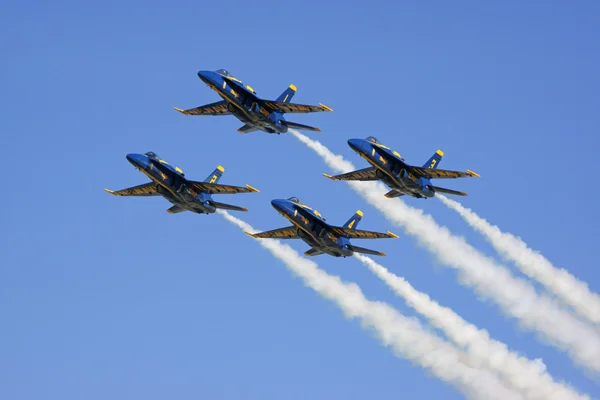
[
  {"x": 294, "y": 125},
  {"x": 224, "y": 206},
  {"x": 247, "y": 129},
  {"x": 312, "y": 252},
  {"x": 393, "y": 193},
  {"x": 357, "y": 249},
  {"x": 447, "y": 191},
  {"x": 175, "y": 210}
]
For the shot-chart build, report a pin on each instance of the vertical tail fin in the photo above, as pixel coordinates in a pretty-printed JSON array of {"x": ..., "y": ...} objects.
[
  {"x": 353, "y": 222},
  {"x": 216, "y": 175},
  {"x": 435, "y": 160},
  {"x": 287, "y": 95}
]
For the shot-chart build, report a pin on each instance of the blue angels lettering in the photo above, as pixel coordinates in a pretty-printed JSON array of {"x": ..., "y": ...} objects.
[
  {"x": 185, "y": 195},
  {"x": 404, "y": 179},
  {"x": 242, "y": 102},
  {"x": 323, "y": 238}
]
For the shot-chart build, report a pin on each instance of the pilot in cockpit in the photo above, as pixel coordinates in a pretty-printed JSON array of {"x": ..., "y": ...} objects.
[
  {"x": 152, "y": 155},
  {"x": 223, "y": 72},
  {"x": 371, "y": 139},
  {"x": 295, "y": 200}
]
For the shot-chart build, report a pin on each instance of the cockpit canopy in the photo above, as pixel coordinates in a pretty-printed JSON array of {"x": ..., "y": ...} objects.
[
  {"x": 152, "y": 155},
  {"x": 295, "y": 200},
  {"x": 223, "y": 72},
  {"x": 371, "y": 139}
]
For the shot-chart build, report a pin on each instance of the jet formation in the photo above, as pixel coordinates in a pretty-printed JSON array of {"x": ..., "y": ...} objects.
[{"x": 308, "y": 224}]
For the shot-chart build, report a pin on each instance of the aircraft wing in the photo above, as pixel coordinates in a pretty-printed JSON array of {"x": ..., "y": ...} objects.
[
  {"x": 215, "y": 188},
  {"x": 280, "y": 106},
  {"x": 147, "y": 189},
  {"x": 443, "y": 173},
  {"x": 290, "y": 232},
  {"x": 360, "y": 234},
  {"x": 218, "y": 108},
  {"x": 366, "y": 174}
]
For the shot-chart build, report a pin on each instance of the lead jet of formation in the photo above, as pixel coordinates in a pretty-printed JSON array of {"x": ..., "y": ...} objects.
[
  {"x": 257, "y": 114},
  {"x": 310, "y": 226},
  {"x": 404, "y": 179},
  {"x": 185, "y": 195}
]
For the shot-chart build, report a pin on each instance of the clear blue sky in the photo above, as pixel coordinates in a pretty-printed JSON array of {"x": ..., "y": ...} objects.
[{"x": 105, "y": 297}]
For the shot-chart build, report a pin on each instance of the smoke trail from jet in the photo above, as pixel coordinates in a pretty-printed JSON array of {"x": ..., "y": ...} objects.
[
  {"x": 558, "y": 281},
  {"x": 404, "y": 335},
  {"x": 527, "y": 376},
  {"x": 516, "y": 297}
]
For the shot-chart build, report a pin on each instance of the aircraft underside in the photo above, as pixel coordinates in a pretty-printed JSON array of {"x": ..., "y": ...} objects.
[{"x": 324, "y": 245}]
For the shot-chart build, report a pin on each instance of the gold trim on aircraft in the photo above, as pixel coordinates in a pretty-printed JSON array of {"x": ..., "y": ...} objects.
[
  {"x": 324, "y": 107},
  {"x": 252, "y": 189}
]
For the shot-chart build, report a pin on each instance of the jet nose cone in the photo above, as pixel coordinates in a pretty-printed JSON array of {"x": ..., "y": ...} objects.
[
  {"x": 279, "y": 205},
  {"x": 356, "y": 145},
  {"x": 206, "y": 76},
  {"x": 138, "y": 160}
]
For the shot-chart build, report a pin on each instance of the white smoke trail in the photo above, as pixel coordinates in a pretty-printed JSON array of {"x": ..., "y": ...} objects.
[
  {"x": 527, "y": 376},
  {"x": 516, "y": 297},
  {"x": 558, "y": 281},
  {"x": 404, "y": 335}
]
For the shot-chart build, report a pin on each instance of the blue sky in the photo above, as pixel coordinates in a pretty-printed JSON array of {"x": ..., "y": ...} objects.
[{"x": 113, "y": 297}]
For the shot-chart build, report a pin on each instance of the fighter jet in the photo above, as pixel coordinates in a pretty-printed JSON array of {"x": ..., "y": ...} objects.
[
  {"x": 310, "y": 226},
  {"x": 171, "y": 184},
  {"x": 241, "y": 101},
  {"x": 390, "y": 168}
]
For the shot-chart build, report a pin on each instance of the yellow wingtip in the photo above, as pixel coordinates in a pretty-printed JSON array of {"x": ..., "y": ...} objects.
[
  {"x": 170, "y": 212},
  {"x": 393, "y": 235},
  {"x": 248, "y": 233},
  {"x": 360, "y": 213},
  {"x": 111, "y": 192},
  {"x": 475, "y": 174},
  {"x": 440, "y": 153},
  {"x": 252, "y": 189},
  {"x": 329, "y": 176},
  {"x": 324, "y": 107},
  {"x": 220, "y": 168},
  {"x": 293, "y": 87},
  {"x": 180, "y": 110},
  {"x": 317, "y": 130}
]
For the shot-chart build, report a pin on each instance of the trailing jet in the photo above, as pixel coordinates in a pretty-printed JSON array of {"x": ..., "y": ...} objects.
[
  {"x": 257, "y": 114},
  {"x": 390, "y": 168},
  {"x": 171, "y": 184},
  {"x": 310, "y": 226}
]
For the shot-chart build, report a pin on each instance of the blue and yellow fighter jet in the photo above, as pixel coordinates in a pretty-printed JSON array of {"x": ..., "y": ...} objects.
[
  {"x": 241, "y": 101},
  {"x": 310, "y": 226},
  {"x": 390, "y": 168},
  {"x": 171, "y": 184}
]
